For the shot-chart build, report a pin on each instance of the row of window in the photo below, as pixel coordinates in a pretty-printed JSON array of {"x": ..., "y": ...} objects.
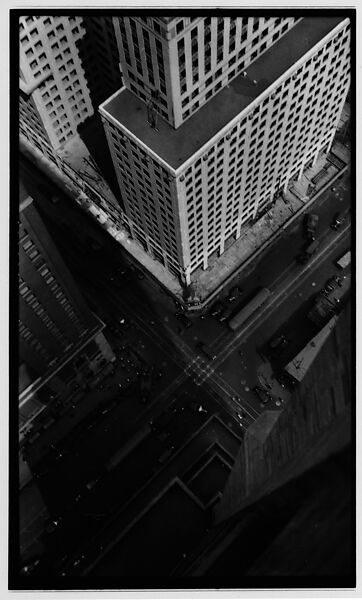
[
  {"x": 330, "y": 99},
  {"x": 33, "y": 342},
  {"x": 147, "y": 188},
  {"x": 225, "y": 73}
]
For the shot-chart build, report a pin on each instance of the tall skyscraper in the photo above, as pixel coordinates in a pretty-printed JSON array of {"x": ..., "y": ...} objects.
[
  {"x": 62, "y": 348},
  {"x": 178, "y": 64},
  {"x": 68, "y": 65},
  {"x": 216, "y": 116}
]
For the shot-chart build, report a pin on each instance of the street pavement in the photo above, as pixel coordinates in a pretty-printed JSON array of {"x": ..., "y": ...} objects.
[{"x": 189, "y": 383}]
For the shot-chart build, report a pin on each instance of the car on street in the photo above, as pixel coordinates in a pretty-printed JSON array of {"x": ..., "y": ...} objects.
[
  {"x": 234, "y": 293},
  {"x": 310, "y": 226},
  {"x": 183, "y": 319},
  {"x": 121, "y": 270},
  {"x": 332, "y": 283},
  {"x": 262, "y": 394},
  {"x": 91, "y": 484},
  {"x": 278, "y": 343},
  {"x": 338, "y": 280},
  {"x": 226, "y": 314},
  {"x": 338, "y": 220},
  {"x": 217, "y": 309}
]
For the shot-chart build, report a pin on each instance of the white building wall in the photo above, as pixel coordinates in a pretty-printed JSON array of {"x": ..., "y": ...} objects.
[
  {"x": 270, "y": 144},
  {"x": 150, "y": 199},
  {"x": 53, "y": 51}
]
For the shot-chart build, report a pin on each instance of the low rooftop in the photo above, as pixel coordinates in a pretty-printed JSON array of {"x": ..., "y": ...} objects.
[{"x": 175, "y": 146}]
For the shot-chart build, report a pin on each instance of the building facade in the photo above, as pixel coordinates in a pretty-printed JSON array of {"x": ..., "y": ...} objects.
[
  {"x": 190, "y": 182},
  {"x": 178, "y": 64},
  {"x": 68, "y": 65},
  {"x": 61, "y": 345}
]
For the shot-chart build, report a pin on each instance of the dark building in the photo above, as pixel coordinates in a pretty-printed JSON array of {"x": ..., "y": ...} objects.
[{"x": 62, "y": 349}]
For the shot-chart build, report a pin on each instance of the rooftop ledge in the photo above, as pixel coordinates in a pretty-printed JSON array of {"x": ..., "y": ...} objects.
[{"x": 175, "y": 146}]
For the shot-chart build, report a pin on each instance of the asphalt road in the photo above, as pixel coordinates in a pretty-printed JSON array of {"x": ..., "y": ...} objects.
[{"x": 218, "y": 387}]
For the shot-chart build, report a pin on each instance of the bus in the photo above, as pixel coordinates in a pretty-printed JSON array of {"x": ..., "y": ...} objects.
[
  {"x": 345, "y": 260},
  {"x": 249, "y": 309}
]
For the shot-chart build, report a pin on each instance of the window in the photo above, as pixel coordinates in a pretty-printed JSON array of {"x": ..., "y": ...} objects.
[{"x": 180, "y": 26}]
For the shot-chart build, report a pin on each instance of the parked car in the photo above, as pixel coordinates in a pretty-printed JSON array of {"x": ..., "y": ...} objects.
[
  {"x": 338, "y": 280},
  {"x": 332, "y": 283},
  {"x": 234, "y": 293},
  {"x": 338, "y": 220},
  {"x": 262, "y": 394}
]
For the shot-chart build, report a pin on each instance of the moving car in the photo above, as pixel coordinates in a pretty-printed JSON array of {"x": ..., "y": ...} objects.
[
  {"x": 338, "y": 220},
  {"x": 217, "y": 309},
  {"x": 226, "y": 314},
  {"x": 234, "y": 293}
]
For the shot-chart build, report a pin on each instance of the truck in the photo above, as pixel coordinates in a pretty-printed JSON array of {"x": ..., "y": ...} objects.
[
  {"x": 310, "y": 226},
  {"x": 249, "y": 309}
]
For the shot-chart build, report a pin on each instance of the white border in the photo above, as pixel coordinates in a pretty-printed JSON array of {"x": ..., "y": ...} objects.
[{"x": 4, "y": 265}]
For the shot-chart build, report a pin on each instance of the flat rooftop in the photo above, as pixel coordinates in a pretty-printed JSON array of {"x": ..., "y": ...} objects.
[{"x": 175, "y": 146}]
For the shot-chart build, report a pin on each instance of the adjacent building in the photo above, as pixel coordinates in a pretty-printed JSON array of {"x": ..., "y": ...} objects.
[
  {"x": 68, "y": 65},
  {"x": 62, "y": 348},
  {"x": 216, "y": 117}
]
